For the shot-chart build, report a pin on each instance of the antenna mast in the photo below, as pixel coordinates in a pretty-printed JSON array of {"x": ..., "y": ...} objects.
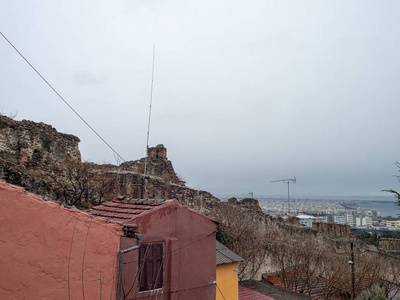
[
  {"x": 288, "y": 181},
  {"x": 151, "y": 101},
  {"x": 148, "y": 126}
]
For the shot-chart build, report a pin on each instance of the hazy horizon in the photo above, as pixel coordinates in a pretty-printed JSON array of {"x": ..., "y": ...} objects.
[{"x": 312, "y": 197}]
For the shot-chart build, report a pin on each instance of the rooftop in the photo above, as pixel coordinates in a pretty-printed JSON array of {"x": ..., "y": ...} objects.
[
  {"x": 122, "y": 209},
  {"x": 226, "y": 256},
  {"x": 274, "y": 292},
  {"x": 249, "y": 294}
]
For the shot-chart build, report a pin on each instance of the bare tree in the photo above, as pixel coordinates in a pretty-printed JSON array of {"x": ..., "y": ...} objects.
[
  {"x": 81, "y": 185},
  {"x": 242, "y": 231},
  {"x": 396, "y": 194}
]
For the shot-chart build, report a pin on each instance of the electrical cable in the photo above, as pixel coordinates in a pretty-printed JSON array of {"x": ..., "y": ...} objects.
[
  {"x": 166, "y": 253},
  {"x": 220, "y": 291},
  {"x": 54, "y": 90}
]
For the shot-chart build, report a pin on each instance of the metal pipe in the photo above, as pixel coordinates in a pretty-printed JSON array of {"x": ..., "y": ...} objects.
[{"x": 121, "y": 256}]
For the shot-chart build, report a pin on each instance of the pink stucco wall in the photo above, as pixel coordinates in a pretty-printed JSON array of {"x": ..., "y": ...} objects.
[
  {"x": 51, "y": 252},
  {"x": 189, "y": 253}
]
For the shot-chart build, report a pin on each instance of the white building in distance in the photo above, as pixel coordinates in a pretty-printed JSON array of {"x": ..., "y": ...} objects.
[{"x": 306, "y": 220}]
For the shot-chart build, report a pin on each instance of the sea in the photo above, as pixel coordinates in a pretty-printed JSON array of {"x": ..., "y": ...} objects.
[
  {"x": 386, "y": 208},
  {"x": 386, "y": 205}
]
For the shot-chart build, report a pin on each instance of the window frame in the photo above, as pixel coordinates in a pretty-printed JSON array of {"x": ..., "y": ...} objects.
[{"x": 152, "y": 263}]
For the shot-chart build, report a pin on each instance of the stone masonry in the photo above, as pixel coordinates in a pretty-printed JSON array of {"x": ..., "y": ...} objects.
[{"x": 29, "y": 144}]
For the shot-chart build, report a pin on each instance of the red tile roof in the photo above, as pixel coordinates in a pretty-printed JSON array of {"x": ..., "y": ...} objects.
[
  {"x": 305, "y": 282},
  {"x": 299, "y": 281},
  {"x": 123, "y": 209},
  {"x": 248, "y": 294}
]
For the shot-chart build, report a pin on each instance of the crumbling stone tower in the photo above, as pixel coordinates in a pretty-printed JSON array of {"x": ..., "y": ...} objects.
[{"x": 157, "y": 152}]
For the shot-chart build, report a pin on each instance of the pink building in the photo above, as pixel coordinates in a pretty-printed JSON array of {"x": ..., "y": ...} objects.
[
  {"x": 48, "y": 251},
  {"x": 177, "y": 257}
]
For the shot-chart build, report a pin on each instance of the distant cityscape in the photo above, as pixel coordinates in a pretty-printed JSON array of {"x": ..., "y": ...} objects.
[
  {"x": 375, "y": 213},
  {"x": 382, "y": 215}
]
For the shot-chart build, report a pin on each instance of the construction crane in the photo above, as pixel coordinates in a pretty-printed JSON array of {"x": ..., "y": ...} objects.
[{"x": 288, "y": 181}]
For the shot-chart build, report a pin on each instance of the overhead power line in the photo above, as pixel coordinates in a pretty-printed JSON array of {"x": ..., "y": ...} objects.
[
  {"x": 65, "y": 101},
  {"x": 176, "y": 250}
]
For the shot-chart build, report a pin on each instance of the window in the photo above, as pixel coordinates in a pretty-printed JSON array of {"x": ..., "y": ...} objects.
[{"x": 151, "y": 266}]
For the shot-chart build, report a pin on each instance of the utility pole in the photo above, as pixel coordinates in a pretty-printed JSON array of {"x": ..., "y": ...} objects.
[
  {"x": 288, "y": 181},
  {"x": 351, "y": 262}
]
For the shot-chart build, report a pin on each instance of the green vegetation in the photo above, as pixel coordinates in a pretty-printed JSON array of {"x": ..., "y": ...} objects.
[
  {"x": 368, "y": 238},
  {"x": 375, "y": 294}
]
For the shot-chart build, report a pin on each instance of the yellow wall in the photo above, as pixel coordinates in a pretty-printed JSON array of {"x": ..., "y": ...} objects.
[{"x": 227, "y": 281}]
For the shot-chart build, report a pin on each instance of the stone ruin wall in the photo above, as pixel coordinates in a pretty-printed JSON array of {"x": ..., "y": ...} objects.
[
  {"x": 249, "y": 203},
  {"x": 130, "y": 184},
  {"x": 157, "y": 165},
  {"x": 157, "y": 152},
  {"x": 389, "y": 244},
  {"x": 28, "y": 144},
  {"x": 28, "y": 148},
  {"x": 332, "y": 229}
]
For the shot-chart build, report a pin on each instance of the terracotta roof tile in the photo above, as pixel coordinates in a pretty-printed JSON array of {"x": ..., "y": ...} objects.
[
  {"x": 123, "y": 209},
  {"x": 248, "y": 294},
  {"x": 316, "y": 286}
]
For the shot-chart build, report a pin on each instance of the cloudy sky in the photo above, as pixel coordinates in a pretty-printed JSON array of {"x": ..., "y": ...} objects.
[{"x": 245, "y": 92}]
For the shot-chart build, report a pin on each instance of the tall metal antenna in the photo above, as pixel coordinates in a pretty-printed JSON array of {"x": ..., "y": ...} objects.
[
  {"x": 288, "y": 181},
  {"x": 148, "y": 127},
  {"x": 151, "y": 101}
]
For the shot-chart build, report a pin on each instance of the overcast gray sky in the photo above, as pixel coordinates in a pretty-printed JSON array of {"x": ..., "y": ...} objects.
[{"x": 245, "y": 92}]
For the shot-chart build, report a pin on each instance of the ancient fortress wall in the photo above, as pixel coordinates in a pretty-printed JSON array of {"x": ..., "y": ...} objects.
[
  {"x": 29, "y": 150},
  {"x": 389, "y": 244},
  {"x": 29, "y": 144},
  {"x": 332, "y": 229}
]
